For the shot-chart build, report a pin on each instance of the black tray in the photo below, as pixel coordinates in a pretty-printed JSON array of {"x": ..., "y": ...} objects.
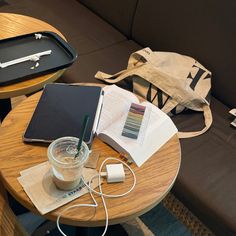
[{"x": 62, "y": 56}]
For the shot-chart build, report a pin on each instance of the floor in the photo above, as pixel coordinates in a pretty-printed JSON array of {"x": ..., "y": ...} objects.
[
  {"x": 31, "y": 222},
  {"x": 159, "y": 221}
]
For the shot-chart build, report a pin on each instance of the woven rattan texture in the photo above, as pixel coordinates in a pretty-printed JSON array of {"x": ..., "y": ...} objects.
[{"x": 177, "y": 208}]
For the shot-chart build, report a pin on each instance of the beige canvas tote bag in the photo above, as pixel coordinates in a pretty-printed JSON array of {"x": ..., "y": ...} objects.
[{"x": 169, "y": 80}]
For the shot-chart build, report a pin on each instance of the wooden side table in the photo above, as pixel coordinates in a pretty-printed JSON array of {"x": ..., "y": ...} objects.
[
  {"x": 154, "y": 179},
  {"x": 12, "y": 25}
]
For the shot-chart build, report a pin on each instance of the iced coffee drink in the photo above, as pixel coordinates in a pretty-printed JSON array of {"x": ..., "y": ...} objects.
[{"x": 66, "y": 168}]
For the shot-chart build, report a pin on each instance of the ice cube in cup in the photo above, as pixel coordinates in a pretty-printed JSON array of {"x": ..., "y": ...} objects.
[{"x": 66, "y": 169}]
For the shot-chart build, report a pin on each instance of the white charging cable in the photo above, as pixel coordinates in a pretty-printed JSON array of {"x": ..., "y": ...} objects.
[{"x": 100, "y": 193}]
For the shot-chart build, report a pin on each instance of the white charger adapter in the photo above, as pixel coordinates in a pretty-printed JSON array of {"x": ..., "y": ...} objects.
[{"x": 115, "y": 173}]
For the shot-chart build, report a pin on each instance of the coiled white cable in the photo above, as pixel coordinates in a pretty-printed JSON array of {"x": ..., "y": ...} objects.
[{"x": 100, "y": 193}]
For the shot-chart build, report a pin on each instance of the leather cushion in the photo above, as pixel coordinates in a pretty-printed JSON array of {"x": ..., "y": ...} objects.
[
  {"x": 2, "y": 3},
  {"x": 118, "y": 13},
  {"x": 207, "y": 178},
  {"x": 202, "y": 29},
  {"x": 83, "y": 29},
  {"x": 109, "y": 60}
]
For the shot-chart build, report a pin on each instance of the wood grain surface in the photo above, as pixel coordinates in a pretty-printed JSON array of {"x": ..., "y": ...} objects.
[
  {"x": 9, "y": 224},
  {"x": 12, "y": 25},
  {"x": 154, "y": 179}
]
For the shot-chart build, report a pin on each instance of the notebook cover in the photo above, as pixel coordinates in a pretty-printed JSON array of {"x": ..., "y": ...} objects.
[{"x": 60, "y": 112}]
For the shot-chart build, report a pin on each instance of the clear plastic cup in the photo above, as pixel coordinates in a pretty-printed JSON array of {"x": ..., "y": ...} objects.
[{"x": 66, "y": 169}]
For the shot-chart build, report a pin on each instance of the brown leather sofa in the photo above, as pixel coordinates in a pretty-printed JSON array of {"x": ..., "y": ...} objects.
[{"x": 105, "y": 32}]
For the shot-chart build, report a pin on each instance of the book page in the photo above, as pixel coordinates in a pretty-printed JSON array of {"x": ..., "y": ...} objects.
[
  {"x": 158, "y": 127},
  {"x": 116, "y": 103},
  {"x": 114, "y": 131},
  {"x": 158, "y": 130}
]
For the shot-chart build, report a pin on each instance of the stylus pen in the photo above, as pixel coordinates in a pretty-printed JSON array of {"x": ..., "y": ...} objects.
[{"x": 81, "y": 138}]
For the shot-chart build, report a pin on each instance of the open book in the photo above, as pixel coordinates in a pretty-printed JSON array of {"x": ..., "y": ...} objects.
[{"x": 156, "y": 128}]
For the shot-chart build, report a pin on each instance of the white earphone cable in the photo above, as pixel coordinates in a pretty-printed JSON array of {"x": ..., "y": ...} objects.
[{"x": 100, "y": 193}]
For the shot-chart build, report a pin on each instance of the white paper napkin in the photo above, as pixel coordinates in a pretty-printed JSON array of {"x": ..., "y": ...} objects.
[{"x": 38, "y": 184}]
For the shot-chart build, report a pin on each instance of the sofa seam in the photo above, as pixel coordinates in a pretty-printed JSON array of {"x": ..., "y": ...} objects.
[
  {"x": 132, "y": 21},
  {"x": 102, "y": 48}
]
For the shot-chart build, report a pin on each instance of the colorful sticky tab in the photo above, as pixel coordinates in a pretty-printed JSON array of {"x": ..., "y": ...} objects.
[{"x": 133, "y": 121}]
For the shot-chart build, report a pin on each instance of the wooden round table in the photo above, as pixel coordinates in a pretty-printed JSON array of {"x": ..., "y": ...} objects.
[
  {"x": 154, "y": 178},
  {"x": 12, "y": 25}
]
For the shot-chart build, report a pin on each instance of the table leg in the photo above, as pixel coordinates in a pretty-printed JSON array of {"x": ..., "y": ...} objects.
[{"x": 5, "y": 107}]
